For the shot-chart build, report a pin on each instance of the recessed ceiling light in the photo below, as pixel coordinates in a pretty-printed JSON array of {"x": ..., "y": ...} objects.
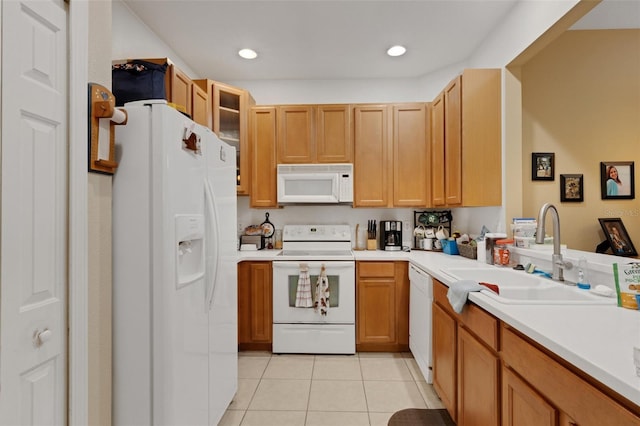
[
  {"x": 396, "y": 50},
  {"x": 247, "y": 53}
]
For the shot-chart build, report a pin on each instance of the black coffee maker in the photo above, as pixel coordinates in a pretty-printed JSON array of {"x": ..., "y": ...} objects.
[{"x": 391, "y": 235}]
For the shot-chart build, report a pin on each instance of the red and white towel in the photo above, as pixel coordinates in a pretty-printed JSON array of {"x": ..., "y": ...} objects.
[
  {"x": 303, "y": 292},
  {"x": 321, "y": 304}
]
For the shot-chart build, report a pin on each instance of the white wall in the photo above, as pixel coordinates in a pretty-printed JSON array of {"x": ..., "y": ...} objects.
[{"x": 131, "y": 39}]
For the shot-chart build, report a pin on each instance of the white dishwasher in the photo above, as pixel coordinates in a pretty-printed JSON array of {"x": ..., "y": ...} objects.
[{"x": 420, "y": 299}]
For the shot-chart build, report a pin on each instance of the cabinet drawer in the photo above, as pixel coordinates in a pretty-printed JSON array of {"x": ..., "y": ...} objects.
[
  {"x": 473, "y": 318},
  {"x": 482, "y": 324},
  {"x": 376, "y": 269},
  {"x": 568, "y": 391},
  {"x": 440, "y": 296}
]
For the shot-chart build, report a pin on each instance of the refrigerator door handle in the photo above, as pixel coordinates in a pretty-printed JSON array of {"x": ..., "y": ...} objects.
[{"x": 212, "y": 243}]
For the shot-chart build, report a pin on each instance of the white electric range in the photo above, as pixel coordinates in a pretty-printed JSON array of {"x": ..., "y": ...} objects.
[{"x": 306, "y": 249}]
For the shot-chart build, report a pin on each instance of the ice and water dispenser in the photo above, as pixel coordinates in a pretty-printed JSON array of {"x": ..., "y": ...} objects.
[{"x": 189, "y": 248}]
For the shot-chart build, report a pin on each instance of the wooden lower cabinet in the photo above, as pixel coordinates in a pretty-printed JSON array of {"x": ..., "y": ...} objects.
[
  {"x": 575, "y": 396},
  {"x": 522, "y": 405},
  {"x": 466, "y": 364},
  {"x": 382, "y": 311},
  {"x": 487, "y": 373},
  {"x": 255, "y": 306},
  {"x": 478, "y": 382},
  {"x": 444, "y": 358}
]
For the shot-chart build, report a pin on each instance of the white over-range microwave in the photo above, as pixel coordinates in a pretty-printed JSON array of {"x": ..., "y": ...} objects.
[{"x": 315, "y": 183}]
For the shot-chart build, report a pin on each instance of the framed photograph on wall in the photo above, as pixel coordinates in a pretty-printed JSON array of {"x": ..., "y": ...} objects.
[
  {"x": 571, "y": 188},
  {"x": 617, "y": 180},
  {"x": 542, "y": 167},
  {"x": 617, "y": 236}
]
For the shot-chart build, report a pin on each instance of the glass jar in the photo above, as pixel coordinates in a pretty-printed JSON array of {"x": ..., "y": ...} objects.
[
  {"x": 277, "y": 235},
  {"x": 502, "y": 253}
]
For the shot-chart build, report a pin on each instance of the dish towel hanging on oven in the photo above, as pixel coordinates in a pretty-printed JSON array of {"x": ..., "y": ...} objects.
[
  {"x": 303, "y": 292},
  {"x": 322, "y": 293}
]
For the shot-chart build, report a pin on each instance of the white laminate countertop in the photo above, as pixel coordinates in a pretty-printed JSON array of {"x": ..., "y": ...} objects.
[{"x": 598, "y": 339}]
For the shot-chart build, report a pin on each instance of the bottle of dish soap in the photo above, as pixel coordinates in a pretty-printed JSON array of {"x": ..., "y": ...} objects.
[{"x": 583, "y": 279}]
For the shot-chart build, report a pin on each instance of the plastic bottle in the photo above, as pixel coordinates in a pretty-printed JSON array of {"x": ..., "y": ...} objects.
[{"x": 583, "y": 279}]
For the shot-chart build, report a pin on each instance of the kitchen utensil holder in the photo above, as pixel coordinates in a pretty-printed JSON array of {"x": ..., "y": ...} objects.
[{"x": 372, "y": 245}]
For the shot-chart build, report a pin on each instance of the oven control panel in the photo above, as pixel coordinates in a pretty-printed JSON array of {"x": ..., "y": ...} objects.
[{"x": 316, "y": 233}]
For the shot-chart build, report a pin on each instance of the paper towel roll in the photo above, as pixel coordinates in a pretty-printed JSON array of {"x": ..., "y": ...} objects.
[{"x": 119, "y": 116}]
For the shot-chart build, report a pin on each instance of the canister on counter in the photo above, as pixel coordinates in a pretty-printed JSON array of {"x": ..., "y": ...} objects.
[
  {"x": 490, "y": 239},
  {"x": 502, "y": 253}
]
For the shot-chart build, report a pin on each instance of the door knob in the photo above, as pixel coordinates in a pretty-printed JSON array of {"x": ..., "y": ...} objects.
[{"x": 41, "y": 337}]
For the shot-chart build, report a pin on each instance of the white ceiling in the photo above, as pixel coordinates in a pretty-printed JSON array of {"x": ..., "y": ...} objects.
[{"x": 347, "y": 39}]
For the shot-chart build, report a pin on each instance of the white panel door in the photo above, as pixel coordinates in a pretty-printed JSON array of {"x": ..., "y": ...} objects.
[{"x": 33, "y": 248}]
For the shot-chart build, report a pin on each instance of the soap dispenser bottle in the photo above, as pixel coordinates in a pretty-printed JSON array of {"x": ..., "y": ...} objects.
[{"x": 583, "y": 279}]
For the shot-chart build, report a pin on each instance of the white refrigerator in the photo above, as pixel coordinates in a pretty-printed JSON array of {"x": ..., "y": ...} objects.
[{"x": 174, "y": 270}]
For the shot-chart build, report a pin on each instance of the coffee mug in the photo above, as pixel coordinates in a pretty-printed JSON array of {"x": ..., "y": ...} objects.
[
  {"x": 419, "y": 231},
  {"x": 430, "y": 233},
  {"x": 427, "y": 243},
  {"x": 442, "y": 233},
  {"x": 437, "y": 245}
]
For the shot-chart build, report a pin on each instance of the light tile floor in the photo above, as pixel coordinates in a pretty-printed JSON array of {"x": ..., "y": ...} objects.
[{"x": 318, "y": 390}]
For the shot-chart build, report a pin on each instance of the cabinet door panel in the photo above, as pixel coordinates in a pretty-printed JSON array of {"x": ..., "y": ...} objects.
[
  {"x": 262, "y": 305},
  {"x": 333, "y": 134},
  {"x": 180, "y": 89},
  {"x": 453, "y": 141},
  {"x": 437, "y": 152},
  {"x": 295, "y": 134},
  {"x": 444, "y": 358},
  {"x": 200, "y": 105},
  {"x": 478, "y": 383},
  {"x": 371, "y": 156},
  {"x": 263, "y": 157},
  {"x": 410, "y": 155},
  {"x": 255, "y": 306},
  {"x": 522, "y": 406},
  {"x": 376, "y": 311}
]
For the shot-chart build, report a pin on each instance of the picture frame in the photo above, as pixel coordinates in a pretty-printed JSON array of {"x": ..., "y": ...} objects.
[
  {"x": 542, "y": 166},
  {"x": 571, "y": 188},
  {"x": 617, "y": 180},
  {"x": 617, "y": 237}
]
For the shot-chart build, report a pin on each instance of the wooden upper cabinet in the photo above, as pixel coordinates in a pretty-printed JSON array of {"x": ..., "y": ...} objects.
[
  {"x": 372, "y": 156},
  {"x": 481, "y": 137},
  {"x": 314, "y": 134},
  {"x": 179, "y": 91},
  {"x": 453, "y": 142},
  {"x": 200, "y": 106},
  {"x": 437, "y": 152},
  {"x": 410, "y": 155},
  {"x": 296, "y": 142},
  {"x": 263, "y": 136},
  {"x": 333, "y": 134},
  {"x": 466, "y": 141},
  {"x": 228, "y": 117}
]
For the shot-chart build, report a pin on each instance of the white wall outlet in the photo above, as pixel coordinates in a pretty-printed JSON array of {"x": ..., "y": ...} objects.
[
  {"x": 406, "y": 225},
  {"x": 240, "y": 228}
]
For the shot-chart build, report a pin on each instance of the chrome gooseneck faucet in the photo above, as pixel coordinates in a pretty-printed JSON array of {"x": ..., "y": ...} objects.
[{"x": 558, "y": 264}]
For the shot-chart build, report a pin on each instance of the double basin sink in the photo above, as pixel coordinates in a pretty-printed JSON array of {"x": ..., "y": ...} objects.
[{"x": 518, "y": 287}]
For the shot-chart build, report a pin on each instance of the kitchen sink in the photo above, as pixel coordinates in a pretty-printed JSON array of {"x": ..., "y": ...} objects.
[{"x": 520, "y": 288}]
